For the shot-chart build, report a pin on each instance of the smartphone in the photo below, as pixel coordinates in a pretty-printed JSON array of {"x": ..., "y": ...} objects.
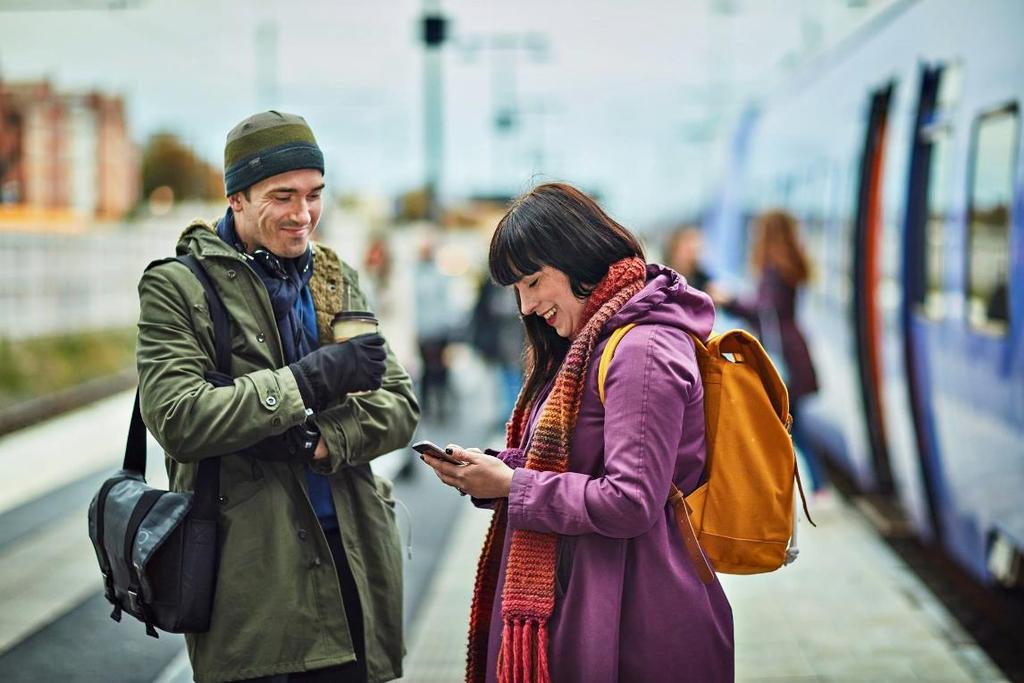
[{"x": 432, "y": 449}]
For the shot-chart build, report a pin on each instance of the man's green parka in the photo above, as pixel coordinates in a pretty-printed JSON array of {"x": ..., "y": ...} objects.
[{"x": 278, "y": 606}]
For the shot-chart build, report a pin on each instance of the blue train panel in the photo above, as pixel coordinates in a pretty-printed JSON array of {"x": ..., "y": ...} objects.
[{"x": 902, "y": 156}]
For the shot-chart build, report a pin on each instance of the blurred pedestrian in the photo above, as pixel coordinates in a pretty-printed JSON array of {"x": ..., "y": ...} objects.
[
  {"x": 377, "y": 264},
  {"x": 434, "y": 321},
  {"x": 781, "y": 267},
  {"x": 309, "y": 585},
  {"x": 683, "y": 251},
  {"x": 584, "y": 576},
  {"x": 496, "y": 331}
]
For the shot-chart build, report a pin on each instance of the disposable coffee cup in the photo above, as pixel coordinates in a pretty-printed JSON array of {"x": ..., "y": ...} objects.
[{"x": 348, "y": 324}]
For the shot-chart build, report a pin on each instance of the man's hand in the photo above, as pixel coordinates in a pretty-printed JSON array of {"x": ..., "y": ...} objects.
[
  {"x": 297, "y": 443},
  {"x": 333, "y": 370},
  {"x": 483, "y": 476}
]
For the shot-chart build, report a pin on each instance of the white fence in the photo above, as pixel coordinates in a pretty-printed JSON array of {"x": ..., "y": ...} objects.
[{"x": 55, "y": 283}]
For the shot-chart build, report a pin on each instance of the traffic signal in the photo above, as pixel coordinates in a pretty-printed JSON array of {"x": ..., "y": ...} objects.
[{"x": 434, "y": 27}]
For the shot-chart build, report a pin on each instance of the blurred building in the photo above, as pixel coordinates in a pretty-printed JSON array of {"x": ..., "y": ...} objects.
[{"x": 65, "y": 153}]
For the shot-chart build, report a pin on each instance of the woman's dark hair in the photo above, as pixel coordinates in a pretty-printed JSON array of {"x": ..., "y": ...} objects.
[{"x": 555, "y": 225}]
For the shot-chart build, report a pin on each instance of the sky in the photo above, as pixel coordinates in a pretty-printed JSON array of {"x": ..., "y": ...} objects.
[{"x": 632, "y": 100}]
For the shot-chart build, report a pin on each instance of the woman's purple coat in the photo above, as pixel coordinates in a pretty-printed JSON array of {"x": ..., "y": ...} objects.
[{"x": 630, "y": 606}]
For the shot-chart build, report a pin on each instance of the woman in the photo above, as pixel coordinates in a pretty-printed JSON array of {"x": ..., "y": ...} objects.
[
  {"x": 781, "y": 267},
  {"x": 583, "y": 576},
  {"x": 683, "y": 253}
]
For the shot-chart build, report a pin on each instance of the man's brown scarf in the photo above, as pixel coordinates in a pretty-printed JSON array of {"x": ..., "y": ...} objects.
[{"x": 528, "y": 598}]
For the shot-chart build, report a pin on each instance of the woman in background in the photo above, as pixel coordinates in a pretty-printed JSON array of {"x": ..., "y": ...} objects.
[
  {"x": 683, "y": 251},
  {"x": 781, "y": 267}
]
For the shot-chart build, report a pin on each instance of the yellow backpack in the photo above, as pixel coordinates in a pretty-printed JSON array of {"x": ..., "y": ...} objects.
[{"x": 742, "y": 516}]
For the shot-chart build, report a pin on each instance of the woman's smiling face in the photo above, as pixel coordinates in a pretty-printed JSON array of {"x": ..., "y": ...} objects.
[{"x": 548, "y": 294}]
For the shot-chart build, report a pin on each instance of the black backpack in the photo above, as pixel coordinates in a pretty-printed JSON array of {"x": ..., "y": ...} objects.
[{"x": 157, "y": 549}]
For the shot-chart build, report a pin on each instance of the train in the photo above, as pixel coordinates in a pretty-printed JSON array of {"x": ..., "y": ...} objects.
[{"x": 900, "y": 154}]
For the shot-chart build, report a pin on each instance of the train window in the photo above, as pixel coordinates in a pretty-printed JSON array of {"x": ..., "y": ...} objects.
[
  {"x": 935, "y": 221},
  {"x": 930, "y": 189},
  {"x": 994, "y": 156}
]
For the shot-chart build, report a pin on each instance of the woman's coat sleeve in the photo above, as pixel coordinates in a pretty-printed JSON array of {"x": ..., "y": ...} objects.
[{"x": 647, "y": 387}]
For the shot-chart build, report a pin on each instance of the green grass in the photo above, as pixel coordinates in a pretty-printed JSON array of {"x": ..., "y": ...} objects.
[{"x": 36, "y": 367}]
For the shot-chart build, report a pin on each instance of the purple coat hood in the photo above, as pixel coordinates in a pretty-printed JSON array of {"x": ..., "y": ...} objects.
[{"x": 666, "y": 299}]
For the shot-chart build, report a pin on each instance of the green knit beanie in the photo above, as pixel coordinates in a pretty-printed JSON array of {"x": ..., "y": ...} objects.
[{"x": 265, "y": 145}]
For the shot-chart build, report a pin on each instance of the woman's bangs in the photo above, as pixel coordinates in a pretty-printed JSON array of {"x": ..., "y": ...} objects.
[{"x": 512, "y": 255}]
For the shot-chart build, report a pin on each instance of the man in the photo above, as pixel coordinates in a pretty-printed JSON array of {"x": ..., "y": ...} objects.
[
  {"x": 310, "y": 580},
  {"x": 433, "y": 329}
]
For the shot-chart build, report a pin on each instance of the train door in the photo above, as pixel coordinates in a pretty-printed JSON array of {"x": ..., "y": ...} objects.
[
  {"x": 866, "y": 304},
  {"x": 924, "y": 272}
]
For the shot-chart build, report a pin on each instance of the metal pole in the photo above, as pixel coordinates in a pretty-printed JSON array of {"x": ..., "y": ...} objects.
[
  {"x": 434, "y": 28},
  {"x": 266, "y": 64}
]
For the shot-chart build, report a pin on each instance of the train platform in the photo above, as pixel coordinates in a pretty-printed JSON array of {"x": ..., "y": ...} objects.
[{"x": 848, "y": 610}]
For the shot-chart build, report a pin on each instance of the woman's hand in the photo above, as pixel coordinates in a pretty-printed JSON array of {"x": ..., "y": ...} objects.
[{"x": 483, "y": 476}]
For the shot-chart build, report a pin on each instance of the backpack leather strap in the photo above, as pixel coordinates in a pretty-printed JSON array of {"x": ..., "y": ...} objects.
[
  {"x": 803, "y": 498},
  {"x": 682, "y": 512}
]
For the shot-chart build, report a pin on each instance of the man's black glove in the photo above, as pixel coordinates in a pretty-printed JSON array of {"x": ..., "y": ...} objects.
[
  {"x": 334, "y": 370},
  {"x": 297, "y": 443}
]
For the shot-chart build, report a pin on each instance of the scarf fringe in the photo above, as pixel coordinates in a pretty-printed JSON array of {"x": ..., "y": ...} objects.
[
  {"x": 524, "y": 652},
  {"x": 483, "y": 597},
  {"x": 543, "y": 675}
]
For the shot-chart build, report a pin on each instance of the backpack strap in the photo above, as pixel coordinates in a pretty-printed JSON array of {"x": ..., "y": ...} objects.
[
  {"x": 675, "y": 497},
  {"x": 682, "y": 512},
  {"x": 745, "y": 345},
  {"x": 606, "y": 356}
]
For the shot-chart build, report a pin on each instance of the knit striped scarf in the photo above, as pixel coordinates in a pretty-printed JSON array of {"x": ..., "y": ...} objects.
[{"x": 528, "y": 598}]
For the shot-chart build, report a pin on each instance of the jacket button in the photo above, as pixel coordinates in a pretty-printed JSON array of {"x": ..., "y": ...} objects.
[
  {"x": 231, "y": 274},
  {"x": 260, "y": 337},
  {"x": 271, "y": 401},
  {"x": 303, "y": 534},
  {"x": 315, "y": 562}
]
